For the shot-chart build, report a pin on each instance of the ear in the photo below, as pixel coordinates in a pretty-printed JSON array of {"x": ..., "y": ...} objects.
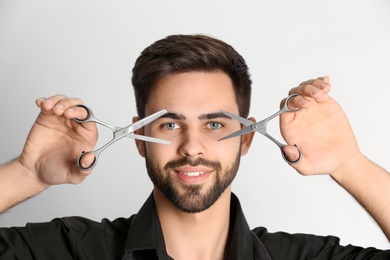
[
  {"x": 140, "y": 144},
  {"x": 246, "y": 140}
]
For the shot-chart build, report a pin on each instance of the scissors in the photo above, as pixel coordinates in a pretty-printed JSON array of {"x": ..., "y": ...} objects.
[
  {"x": 261, "y": 127},
  {"x": 118, "y": 133}
]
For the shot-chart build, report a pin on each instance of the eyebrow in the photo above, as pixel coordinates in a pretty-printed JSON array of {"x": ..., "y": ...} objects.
[
  {"x": 173, "y": 116},
  {"x": 207, "y": 116},
  {"x": 213, "y": 115}
]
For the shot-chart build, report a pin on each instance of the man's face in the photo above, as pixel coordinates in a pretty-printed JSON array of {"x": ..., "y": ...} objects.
[{"x": 195, "y": 169}]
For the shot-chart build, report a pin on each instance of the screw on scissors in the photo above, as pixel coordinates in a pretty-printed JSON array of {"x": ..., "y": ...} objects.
[
  {"x": 261, "y": 127},
  {"x": 118, "y": 133}
]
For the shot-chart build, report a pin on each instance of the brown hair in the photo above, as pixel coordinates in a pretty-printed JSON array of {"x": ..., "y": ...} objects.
[{"x": 186, "y": 53}]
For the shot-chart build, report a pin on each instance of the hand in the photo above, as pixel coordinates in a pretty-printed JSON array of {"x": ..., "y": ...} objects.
[
  {"x": 56, "y": 140},
  {"x": 320, "y": 129}
]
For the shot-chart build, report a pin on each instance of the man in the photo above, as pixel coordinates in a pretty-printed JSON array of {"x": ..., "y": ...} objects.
[{"x": 191, "y": 213}]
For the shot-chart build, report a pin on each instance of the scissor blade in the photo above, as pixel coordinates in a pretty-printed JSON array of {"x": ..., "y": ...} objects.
[
  {"x": 141, "y": 123},
  {"x": 243, "y": 131},
  {"x": 144, "y": 121},
  {"x": 148, "y": 139},
  {"x": 242, "y": 120}
]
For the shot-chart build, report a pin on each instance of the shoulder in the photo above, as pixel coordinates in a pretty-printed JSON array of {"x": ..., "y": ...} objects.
[
  {"x": 283, "y": 237},
  {"x": 116, "y": 228},
  {"x": 69, "y": 237},
  {"x": 304, "y": 246},
  {"x": 99, "y": 240}
]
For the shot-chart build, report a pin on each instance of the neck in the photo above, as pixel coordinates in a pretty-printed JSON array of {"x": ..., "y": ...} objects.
[{"x": 204, "y": 234}]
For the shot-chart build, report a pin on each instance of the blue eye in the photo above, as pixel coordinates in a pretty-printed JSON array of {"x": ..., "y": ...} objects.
[
  {"x": 170, "y": 126},
  {"x": 214, "y": 125}
]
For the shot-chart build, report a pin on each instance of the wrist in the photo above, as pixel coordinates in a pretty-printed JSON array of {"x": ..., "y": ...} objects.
[
  {"x": 359, "y": 176},
  {"x": 17, "y": 183},
  {"x": 351, "y": 169},
  {"x": 29, "y": 176}
]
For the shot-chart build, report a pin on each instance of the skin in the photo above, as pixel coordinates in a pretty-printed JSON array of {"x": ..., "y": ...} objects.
[
  {"x": 321, "y": 130},
  {"x": 193, "y": 126},
  {"x": 50, "y": 152},
  {"x": 338, "y": 154}
]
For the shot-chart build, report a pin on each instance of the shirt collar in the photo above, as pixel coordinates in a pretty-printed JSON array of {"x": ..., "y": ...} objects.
[
  {"x": 244, "y": 244},
  {"x": 145, "y": 233}
]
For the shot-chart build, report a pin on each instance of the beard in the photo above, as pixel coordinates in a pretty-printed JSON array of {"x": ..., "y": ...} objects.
[{"x": 192, "y": 200}]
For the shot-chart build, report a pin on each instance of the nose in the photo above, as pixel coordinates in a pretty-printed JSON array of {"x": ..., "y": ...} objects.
[{"x": 192, "y": 144}]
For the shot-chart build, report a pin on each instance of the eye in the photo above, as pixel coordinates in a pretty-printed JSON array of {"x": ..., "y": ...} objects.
[
  {"x": 170, "y": 126},
  {"x": 214, "y": 125}
]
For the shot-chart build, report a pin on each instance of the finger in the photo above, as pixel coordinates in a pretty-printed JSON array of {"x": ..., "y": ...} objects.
[
  {"x": 310, "y": 88},
  {"x": 325, "y": 79},
  {"x": 291, "y": 152},
  {"x": 76, "y": 112},
  {"x": 306, "y": 89},
  {"x": 316, "y": 89},
  {"x": 58, "y": 103},
  {"x": 87, "y": 160},
  {"x": 39, "y": 101},
  {"x": 80, "y": 113},
  {"x": 48, "y": 103},
  {"x": 64, "y": 104},
  {"x": 325, "y": 84},
  {"x": 296, "y": 102},
  {"x": 322, "y": 83}
]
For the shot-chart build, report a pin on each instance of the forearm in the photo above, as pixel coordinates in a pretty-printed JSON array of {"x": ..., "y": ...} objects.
[
  {"x": 369, "y": 184},
  {"x": 17, "y": 184}
]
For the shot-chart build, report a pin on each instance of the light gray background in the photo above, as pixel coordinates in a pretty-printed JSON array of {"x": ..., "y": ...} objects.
[{"x": 87, "y": 49}]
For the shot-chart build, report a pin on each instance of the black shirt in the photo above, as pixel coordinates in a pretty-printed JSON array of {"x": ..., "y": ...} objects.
[{"x": 140, "y": 237}]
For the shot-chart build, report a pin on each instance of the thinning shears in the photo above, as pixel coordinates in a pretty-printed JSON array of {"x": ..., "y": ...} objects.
[
  {"x": 118, "y": 133},
  {"x": 261, "y": 127}
]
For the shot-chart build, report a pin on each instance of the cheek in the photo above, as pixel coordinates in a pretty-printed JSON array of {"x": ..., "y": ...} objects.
[
  {"x": 227, "y": 149},
  {"x": 159, "y": 154}
]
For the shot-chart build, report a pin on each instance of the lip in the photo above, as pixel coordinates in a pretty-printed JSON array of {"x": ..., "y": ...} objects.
[{"x": 193, "y": 175}]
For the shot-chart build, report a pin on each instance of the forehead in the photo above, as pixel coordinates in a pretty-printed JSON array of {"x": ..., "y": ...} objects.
[{"x": 193, "y": 93}]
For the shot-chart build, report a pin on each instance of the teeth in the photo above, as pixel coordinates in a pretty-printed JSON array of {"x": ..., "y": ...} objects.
[{"x": 192, "y": 174}]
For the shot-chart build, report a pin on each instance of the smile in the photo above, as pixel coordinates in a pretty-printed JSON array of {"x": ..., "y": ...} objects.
[{"x": 192, "y": 174}]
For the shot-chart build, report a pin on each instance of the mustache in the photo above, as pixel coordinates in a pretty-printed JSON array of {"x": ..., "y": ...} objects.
[{"x": 186, "y": 161}]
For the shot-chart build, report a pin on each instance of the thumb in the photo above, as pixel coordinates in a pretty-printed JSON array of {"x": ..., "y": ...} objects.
[{"x": 292, "y": 154}]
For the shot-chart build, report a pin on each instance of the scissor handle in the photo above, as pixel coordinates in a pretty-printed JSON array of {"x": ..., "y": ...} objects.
[
  {"x": 89, "y": 116},
  {"x": 285, "y": 106},
  {"x": 292, "y": 162},
  {"x": 92, "y": 165},
  {"x": 264, "y": 132}
]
